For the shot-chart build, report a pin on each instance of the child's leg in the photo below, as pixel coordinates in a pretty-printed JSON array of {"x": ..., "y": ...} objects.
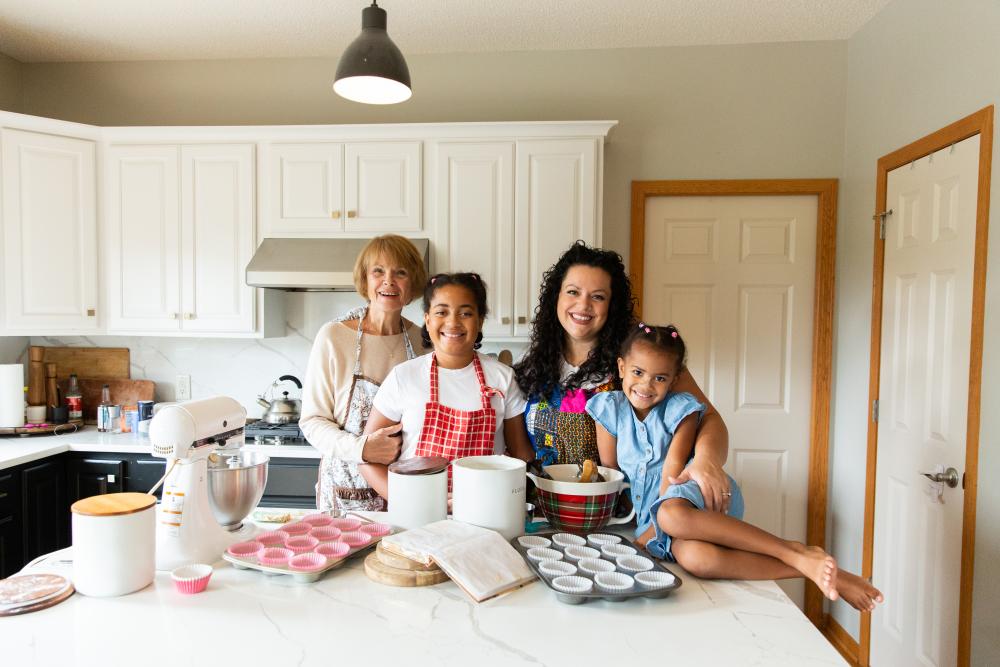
[{"x": 679, "y": 519}]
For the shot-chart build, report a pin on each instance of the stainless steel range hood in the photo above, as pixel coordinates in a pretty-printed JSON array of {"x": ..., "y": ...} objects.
[{"x": 310, "y": 265}]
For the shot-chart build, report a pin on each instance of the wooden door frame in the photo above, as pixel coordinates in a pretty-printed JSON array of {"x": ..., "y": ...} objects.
[
  {"x": 825, "y": 189},
  {"x": 981, "y": 123}
]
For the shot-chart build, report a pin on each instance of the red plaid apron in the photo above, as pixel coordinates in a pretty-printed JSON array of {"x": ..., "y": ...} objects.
[{"x": 455, "y": 433}]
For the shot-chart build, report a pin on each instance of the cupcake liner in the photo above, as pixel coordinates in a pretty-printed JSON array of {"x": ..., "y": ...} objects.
[
  {"x": 569, "y": 540},
  {"x": 595, "y": 565},
  {"x": 274, "y": 556},
  {"x": 634, "y": 563},
  {"x": 272, "y": 538},
  {"x": 655, "y": 579},
  {"x": 317, "y": 520},
  {"x": 375, "y": 529},
  {"x": 532, "y": 541},
  {"x": 301, "y": 543},
  {"x": 333, "y": 550},
  {"x": 326, "y": 533},
  {"x": 295, "y": 529},
  {"x": 355, "y": 538},
  {"x": 556, "y": 568},
  {"x": 543, "y": 553},
  {"x": 346, "y": 523},
  {"x": 247, "y": 550},
  {"x": 307, "y": 562},
  {"x": 616, "y": 550},
  {"x": 600, "y": 539},
  {"x": 573, "y": 584},
  {"x": 613, "y": 582},
  {"x": 574, "y": 553},
  {"x": 190, "y": 579}
]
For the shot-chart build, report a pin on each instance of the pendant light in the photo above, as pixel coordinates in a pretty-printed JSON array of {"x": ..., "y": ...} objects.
[{"x": 372, "y": 69}]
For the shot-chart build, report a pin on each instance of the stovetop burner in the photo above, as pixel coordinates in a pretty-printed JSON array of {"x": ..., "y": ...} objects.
[{"x": 274, "y": 434}]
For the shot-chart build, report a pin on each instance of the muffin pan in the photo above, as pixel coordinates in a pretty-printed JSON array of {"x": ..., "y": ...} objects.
[
  {"x": 310, "y": 549},
  {"x": 617, "y": 574}
]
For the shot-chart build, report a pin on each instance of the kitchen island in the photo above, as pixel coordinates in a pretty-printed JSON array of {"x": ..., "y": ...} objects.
[{"x": 247, "y": 618}]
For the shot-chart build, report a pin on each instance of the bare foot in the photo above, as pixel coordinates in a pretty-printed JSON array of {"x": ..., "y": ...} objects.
[
  {"x": 857, "y": 592},
  {"x": 818, "y": 566}
]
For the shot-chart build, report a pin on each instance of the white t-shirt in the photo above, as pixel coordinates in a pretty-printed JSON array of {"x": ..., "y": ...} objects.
[{"x": 406, "y": 390}]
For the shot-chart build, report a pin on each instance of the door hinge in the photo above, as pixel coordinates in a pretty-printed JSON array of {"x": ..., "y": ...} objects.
[
  {"x": 880, "y": 219},
  {"x": 875, "y": 411}
]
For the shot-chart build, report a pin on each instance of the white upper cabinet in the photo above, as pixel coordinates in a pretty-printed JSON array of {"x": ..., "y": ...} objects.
[
  {"x": 49, "y": 268},
  {"x": 327, "y": 189}
]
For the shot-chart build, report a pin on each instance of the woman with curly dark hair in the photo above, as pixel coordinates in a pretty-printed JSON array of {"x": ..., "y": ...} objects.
[{"x": 584, "y": 313}]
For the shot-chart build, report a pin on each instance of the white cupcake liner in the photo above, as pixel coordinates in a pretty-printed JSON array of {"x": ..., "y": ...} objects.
[
  {"x": 569, "y": 540},
  {"x": 532, "y": 541},
  {"x": 574, "y": 553},
  {"x": 600, "y": 539},
  {"x": 543, "y": 553},
  {"x": 571, "y": 584},
  {"x": 634, "y": 563},
  {"x": 595, "y": 565},
  {"x": 556, "y": 568},
  {"x": 655, "y": 579},
  {"x": 616, "y": 550},
  {"x": 613, "y": 582}
]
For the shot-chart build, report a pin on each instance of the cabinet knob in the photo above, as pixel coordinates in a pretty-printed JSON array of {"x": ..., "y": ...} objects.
[
  {"x": 175, "y": 316},
  {"x": 91, "y": 312},
  {"x": 335, "y": 215},
  {"x": 188, "y": 316},
  {"x": 522, "y": 320},
  {"x": 352, "y": 214},
  {"x": 504, "y": 320}
]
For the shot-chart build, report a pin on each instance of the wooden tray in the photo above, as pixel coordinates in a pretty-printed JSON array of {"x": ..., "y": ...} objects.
[{"x": 48, "y": 429}]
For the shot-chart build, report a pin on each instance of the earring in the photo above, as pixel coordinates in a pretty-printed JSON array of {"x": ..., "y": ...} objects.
[{"x": 479, "y": 341}]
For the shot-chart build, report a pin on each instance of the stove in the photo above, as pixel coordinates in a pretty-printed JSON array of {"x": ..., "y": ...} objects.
[{"x": 274, "y": 434}]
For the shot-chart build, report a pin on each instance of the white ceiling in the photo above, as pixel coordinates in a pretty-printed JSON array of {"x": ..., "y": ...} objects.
[{"x": 109, "y": 30}]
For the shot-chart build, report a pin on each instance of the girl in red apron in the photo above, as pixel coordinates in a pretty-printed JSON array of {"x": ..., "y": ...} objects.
[{"x": 454, "y": 402}]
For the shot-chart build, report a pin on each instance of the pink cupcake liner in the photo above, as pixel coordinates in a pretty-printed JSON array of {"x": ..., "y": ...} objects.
[
  {"x": 346, "y": 523},
  {"x": 318, "y": 519},
  {"x": 272, "y": 538},
  {"x": 298, "y": 528},
  {"x": 325, "y": 533},
  {"x": 301, "y": 543},
  {"x": 376, "y": 529},
  {"x": 333, "y": 550},
  {"x": 247, "y": 550},
  {"x": 355, "y": 538},
  {"x": 274, "y": 556},
  {"x": 191, "y": 579},
  {"x": 307, "y": 562}
]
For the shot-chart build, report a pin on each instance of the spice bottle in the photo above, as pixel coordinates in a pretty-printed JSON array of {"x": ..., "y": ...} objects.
[
  {"x": 74, "y": 399},
  {"x": 108, "y": 415}
]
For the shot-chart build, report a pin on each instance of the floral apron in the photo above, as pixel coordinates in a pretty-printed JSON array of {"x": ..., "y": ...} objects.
[
  {"x": 455, "y": 433},
  {"x": 341, "y": 486},
  {"x": 561, "y": 431}
]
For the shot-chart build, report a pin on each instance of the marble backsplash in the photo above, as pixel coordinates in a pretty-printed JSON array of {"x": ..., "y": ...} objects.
[{"x": 240, "y": 368}]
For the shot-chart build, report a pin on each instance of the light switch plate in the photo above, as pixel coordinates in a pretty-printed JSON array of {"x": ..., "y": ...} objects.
[{"x": 183, "y": 388}]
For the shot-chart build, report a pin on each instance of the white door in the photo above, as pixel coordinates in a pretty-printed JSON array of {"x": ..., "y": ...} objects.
[
  {"x": 142, "y": 239},
  {"x": 50, "y": 233},
  {"x": 923, "y": 400},
  {"x": 475, "y": 209},
  {"x": 217, "y": 239},
  {"x": 304, "y": 190},
  {"x": 556, "y": 204},
  {"x": 736, "y": 276},
  {"x": 382, "y": 186}
]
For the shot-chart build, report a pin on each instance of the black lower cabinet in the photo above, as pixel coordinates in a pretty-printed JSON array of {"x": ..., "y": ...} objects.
[
  {"x": 94, "y": 475},
  {"x": 11, "y": 539},
  {"x": 44, "y": 516},
  {"x": 291, "y": 483}
]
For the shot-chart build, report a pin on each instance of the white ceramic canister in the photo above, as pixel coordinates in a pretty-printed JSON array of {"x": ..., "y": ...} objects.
[
  {"x": 488, "y": 491},
  {"x": 114, "y": 543},
  {"x": 418, "y": 491}
]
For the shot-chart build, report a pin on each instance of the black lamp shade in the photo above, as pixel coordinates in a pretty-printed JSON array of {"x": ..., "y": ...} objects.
[{"x": 372, "y": 69}]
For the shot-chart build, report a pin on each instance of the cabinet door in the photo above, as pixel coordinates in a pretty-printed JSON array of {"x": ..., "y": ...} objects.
[
  {"x": 11, "y": 558},
  {"x": 93, "y": 477},
  {"x": 304, "y": 190},
  {"x": 143, "y": 233},
  {"x": 217, "y": 238},
  {"x": 142, "y": 472},
  {"x": 557, "y": 199},
  {"x": 475, "y": 211},
  {"x": 44, "y": 510},
  {"x": 291, "y": 483},
  {"x": 49, "y": 233},
  {"x": 382, "y": 186}
]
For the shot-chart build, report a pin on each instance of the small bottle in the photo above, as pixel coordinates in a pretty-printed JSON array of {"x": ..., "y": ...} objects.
[
  {"x": 74, "y": 399},
  {"x": 108, "y": 415}
]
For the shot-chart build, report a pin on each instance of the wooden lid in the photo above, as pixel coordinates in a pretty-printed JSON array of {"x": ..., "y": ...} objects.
[
  {"x": 113, "y": 504},
  {"x": 419, "y": 465}
]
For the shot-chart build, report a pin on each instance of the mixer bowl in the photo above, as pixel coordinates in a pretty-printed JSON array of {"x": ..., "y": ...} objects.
[{"x": 235, "y": 485}]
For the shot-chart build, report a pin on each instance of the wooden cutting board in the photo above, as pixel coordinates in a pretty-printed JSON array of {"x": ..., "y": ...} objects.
[
  {"x": 381, "y": 573},
  {"x": 89, "y": 363},
  {"x": 402, "y": 562},
  {"x": 123, "y": 392}
]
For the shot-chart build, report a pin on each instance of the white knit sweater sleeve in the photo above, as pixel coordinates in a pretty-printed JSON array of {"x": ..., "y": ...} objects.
[{"x": 317, "y": 420}]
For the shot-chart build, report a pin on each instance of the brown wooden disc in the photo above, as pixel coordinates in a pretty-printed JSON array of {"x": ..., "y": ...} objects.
[
  {"x": 390, "y": 576},
  {"x": 401, "y": 562},
  {"x": 43, "y": 604}
]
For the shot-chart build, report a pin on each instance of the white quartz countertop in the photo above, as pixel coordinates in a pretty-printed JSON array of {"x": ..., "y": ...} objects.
[
  {"x": 247, "y": 618},
  {"x": 15, "y": 450}
]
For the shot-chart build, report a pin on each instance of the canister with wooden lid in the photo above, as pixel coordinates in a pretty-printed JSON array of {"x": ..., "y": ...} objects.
[
  {"x": 418, "y": 491},
  {"x": 114, "y": 543}
]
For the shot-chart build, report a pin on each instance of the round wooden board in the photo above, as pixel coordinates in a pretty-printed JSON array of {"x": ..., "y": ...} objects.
[
  {"x": 38, "y": 606},
  {"x": 390, "y": 576},
  {"x": 401, "y": 562}
]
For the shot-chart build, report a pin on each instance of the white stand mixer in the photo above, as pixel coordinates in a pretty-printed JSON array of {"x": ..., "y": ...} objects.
[{"x": 186, "y": 434}]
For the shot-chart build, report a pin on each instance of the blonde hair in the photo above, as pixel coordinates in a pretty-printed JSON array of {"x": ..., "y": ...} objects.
[{"x": 397, "y": 250}]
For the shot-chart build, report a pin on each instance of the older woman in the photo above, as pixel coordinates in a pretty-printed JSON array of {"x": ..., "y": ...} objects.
[
  {"x": 350, "y": 358},
  {"x": 584, "y": 313}
]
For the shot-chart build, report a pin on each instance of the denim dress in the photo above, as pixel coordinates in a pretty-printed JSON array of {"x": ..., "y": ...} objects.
[{"x": 642, "y": 447}]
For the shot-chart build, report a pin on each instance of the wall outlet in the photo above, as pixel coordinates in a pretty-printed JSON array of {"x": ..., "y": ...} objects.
[{"x": 183, "y": 392}]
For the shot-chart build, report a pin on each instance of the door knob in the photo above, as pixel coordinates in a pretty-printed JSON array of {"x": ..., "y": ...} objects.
[
  {"x": 949, "y": 477},
  {"x": 352, "y": 214},
  {"x": 335, "y": 215}
]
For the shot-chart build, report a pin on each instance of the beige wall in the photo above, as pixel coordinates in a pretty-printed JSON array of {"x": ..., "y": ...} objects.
[
  {"x": 916, "y": 67},
  {"x": 693, "y": 112},
  {"x": 10, "y": 83}
]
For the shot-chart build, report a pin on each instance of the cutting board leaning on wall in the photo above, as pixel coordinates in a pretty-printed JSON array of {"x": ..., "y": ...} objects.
[{"x": 95, "y": 367}]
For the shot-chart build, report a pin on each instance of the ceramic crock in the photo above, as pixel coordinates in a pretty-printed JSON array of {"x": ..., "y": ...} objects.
[
  {"x": 488, "y": 491},
  {"x": 114, "y": 543}
]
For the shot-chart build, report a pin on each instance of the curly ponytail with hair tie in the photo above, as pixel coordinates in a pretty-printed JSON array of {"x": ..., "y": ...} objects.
[{"x": 666, "y": 339}]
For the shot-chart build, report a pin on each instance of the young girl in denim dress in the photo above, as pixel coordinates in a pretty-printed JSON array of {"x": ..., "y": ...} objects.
[{"x": 648, "y": 432}]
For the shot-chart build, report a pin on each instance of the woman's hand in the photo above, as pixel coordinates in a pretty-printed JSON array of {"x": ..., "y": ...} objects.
[
  {"x": 383, "y": 445},
  {"x": 712, "y": 481}
]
